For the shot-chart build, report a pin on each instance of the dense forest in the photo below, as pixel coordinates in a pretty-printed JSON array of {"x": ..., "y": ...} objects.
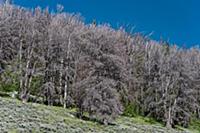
[{"x": 99, "y": 70}]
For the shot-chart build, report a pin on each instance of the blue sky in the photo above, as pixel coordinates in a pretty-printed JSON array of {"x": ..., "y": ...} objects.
[
  {"x": 175, "y": 20},
  {"x": 1, "y": 1}
]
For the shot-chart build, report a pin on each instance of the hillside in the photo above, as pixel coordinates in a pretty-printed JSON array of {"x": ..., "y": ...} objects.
[
  {"x": 30, "y": 117},
  {"x": 101, "y": 71}
]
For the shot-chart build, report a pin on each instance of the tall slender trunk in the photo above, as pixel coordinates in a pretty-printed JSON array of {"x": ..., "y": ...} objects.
[
  {"x": 20, "y": 68},
  {"x": 170, "y": 115},
  {"x": 25, "y": 88},
  {"x": 169, "y": 119},
  {"x": 156, "y": 99},
  {"x": 60, "y": 81},
  {"x": 65, "y": 92},
  {"x": 142, "y": 100},
  {"x": 66, "y": 71},
  {"x": 31, "y": 75},
  {"x": 171, "y": 107},
  {"x": 167, "y": 111}
]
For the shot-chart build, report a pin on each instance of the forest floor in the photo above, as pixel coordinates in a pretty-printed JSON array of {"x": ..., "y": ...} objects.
[{"x": 17, "y": 117}]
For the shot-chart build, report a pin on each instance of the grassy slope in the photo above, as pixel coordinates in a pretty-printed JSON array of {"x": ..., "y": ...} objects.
[{"x": 18, "y": 117}]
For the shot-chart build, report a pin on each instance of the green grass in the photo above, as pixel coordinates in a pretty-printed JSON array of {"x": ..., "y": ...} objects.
[
  {"x": 195, "y": 126},
  {"x": 42, "y": 118}
]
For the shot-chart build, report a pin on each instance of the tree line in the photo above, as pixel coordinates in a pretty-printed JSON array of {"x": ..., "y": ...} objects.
[{"x": 99, "y": 70}]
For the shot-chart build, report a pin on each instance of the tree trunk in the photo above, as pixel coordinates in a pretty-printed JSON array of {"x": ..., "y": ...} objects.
[
  {"x": 65, "y": 92},
  {"x": 142, "y": 100},
  {"x": 31, "y": 75},
  {"x": 198, "y": 113},
  {"x": 66, "y": 71},
  {"x": 60, "y": 82},
  {"x": 20, "y": 68},
  {"x": 167, "y": 112},
  {"x": 26, "y": 78},
  {"x": 169, "y": 119}
]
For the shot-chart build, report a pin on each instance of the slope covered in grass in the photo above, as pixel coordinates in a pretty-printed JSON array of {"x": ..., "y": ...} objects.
[{"x": 30, "y": 117}]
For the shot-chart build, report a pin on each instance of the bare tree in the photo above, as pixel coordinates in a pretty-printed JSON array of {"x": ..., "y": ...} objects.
[{"x": 95, "y": 68}]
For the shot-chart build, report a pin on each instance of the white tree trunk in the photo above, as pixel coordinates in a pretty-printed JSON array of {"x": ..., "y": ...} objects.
[
  {"x": 169, "y": 119},
  {"x": 65, "y": 94},
  {"x": 20, "y": 67},
  {"x": 60, "y": 82},
  {"x": 66, "y": 71},
  {"x": 27, "y": 72}
]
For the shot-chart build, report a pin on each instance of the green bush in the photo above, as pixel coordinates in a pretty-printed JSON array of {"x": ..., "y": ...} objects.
[
  {"x": 36, "y": 85},
  {"x": 130, "y": 110},
  {"x": 8, "y": 87},
  {"x": 9, "y": 81}
]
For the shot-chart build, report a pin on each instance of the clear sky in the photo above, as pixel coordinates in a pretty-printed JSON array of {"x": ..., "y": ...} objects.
[
  {"x": 1, "y": 1},
  {"x": 175, "y": 20}
]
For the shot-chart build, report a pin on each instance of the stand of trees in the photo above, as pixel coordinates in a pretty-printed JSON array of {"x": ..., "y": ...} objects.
[{"x": 95, "y": 68}]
